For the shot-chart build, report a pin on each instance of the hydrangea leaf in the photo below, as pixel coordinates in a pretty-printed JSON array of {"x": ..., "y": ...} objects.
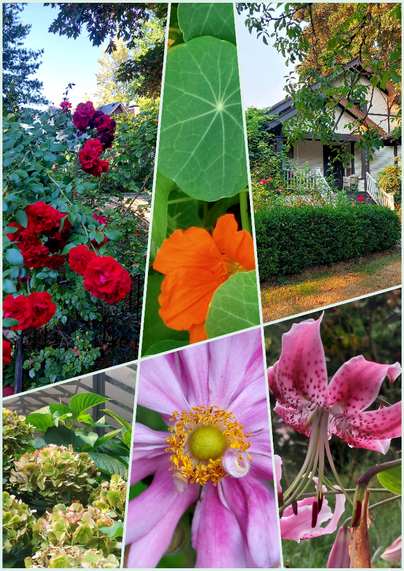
[
  {"x": 217, "y": 20},
  {"x": 108, "y": 465},
  {"x": 234, "y": 305},
  {"x": 63, "y": 436},
  {"x": 391, "y": 479},
  {"x": 202, "y": 144},
  {"x": 40, "y": 421},
  {"x": 81, "y": 402}
]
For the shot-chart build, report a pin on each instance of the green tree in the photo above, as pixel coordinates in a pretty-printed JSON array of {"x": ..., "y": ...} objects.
[
  {"x": 320, "y": 40},
  {"x": 19, "y": 63}
]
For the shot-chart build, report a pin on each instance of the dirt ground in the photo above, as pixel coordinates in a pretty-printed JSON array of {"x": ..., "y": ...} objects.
[{"x": 326, "y": 285}]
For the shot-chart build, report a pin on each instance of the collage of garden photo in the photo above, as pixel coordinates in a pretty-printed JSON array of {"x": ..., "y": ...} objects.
[{"x": 202, "y": 268}]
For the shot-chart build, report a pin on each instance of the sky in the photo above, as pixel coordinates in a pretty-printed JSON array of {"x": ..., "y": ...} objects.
[{"x": 66, "y": 60}]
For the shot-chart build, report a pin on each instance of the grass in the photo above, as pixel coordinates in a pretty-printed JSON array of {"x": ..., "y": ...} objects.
[{"x": 326, "y": 285}]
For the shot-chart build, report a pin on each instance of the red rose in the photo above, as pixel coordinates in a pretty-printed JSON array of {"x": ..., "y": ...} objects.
[
  {"x": 18, "y": 308},
  {"x": 28, "y": 240},
  {"x": 54, "y": 262},
  {"x": 42, "y": 308},
  {"x": 65, "y": 105},
  {"x": 106, "y": 279},
  {"x": 6, "y": 352},
  {"x": 35, "y": 256},
  {"x": 94, "y": 146},
  {"x": 103, "y": 123},
  {"x": 96, "y": 116},
  {"x": 13, "y": 236},
  {"x": 100, "y": 219},
  {"x": 42, "y": 217},
  {"x": 83, "y": 114},
  {"x": 112, "y": 127},
  {"x": 98, "y": 168},
  {"x": 106, "y": 139},
  {"x": 360, "y": 199},
  {"x": 79, "y": 258}
]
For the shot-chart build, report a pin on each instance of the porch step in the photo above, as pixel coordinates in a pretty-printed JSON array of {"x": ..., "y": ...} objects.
[{"x": 354, "y": 195}]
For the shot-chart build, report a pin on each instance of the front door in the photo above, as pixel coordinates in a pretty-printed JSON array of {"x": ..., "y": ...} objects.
[{"x": 333, "y": 165}]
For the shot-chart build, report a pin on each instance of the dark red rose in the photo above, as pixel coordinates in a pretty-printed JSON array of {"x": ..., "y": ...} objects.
[
  {"x": 42, "y": 308},
  {"x": 88, "y": 157},
  {"x": 99, "y": 167},
  {"x": 79, "y": 258},
  {"x": 103, "y": 123},
  {"x": 35, "y": 256},
  {"x": 54, "y": 262},
  {"x": 28, "y": 240},
  {"x": 13, "y": 236},
  {"x": 83, "y": 114},
  {"x": 6, "y": 352},
  {"x": 100, "y": 219},
  {"x": 65, "y": 105},
  {"x": 96, "y": 116},
  {"x": 106, "y": 140},
  {"x": 112, "y": 127},
  {"x": 94, "y": 146},
  {"x": 18, "y": 308},
  {"x": 106, "y": 279},
  {"x": 360, "y": 199},
  {"x": 42, "y": 218}
]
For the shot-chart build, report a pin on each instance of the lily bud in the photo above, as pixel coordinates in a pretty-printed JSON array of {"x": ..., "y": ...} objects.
[
  {"x": 339, "y": 554},
  {"x": 393, "y": 553}
]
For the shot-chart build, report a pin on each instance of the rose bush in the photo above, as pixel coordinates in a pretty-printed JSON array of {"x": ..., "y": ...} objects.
[{"x": 54, "y": 202}]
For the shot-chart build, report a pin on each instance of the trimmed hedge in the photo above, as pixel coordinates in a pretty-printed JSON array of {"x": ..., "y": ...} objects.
[{"x": 291, "y": 239}]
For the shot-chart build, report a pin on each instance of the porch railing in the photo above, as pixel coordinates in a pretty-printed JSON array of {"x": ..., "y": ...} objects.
[
  {"x": 378, "y": 195},
  {"x": 310, "y": 179}
]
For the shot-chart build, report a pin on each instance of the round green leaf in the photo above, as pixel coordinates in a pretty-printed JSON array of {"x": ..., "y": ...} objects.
[
  {"x": 391, "y": 479},
  {"x": 8, "y": 322},
  {"x": 14, "y": 257},
  {"x": 112, "y": 234},
  {"x": 196, "y": 19},
  {"x": 8, "y": 286},
  {"x": 202, "y": 145},
  {"x": 234, "y": 305}
]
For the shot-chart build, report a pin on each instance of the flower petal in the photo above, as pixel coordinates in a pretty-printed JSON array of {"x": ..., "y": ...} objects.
[
  {"x": 371, "y": 429},
  {"x": 300, "y": 376},
  {"x": 236, "y": 244},
  {"x": 159, "y": 387},
  {"x": 191, "y": 368},
  {"x": 357, "y": 383},
  {"x": 216, "y": 535},
  {"x": 152, "y": 518},
  {"x": 254, "y": 507},
  {"x": 148, "y": 452}
]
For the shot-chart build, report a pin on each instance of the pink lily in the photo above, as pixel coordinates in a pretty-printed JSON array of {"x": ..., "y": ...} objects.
[
  {"x": 297, "y": 524},
  {"x": 393, "y": 553},
  {"x": 204, "y": 387},
  {"x": 339, "y": 557},
  {"x": 305, "y": 399}
]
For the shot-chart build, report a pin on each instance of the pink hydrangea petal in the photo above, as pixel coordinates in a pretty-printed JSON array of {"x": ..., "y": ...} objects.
[
  {"x": 235, "y": 363},
  {"x": 216, "y": 535},
  {"x": 152, "y": 518},
  {"x": 357, "y": 383},
  {"x": 371, "y": 429},
  {"x": 254, "y": 507},
  {"x": 148, "y": 452},
  {"x": 159, "y": 388},
  {"x": 300, "y": 375}
]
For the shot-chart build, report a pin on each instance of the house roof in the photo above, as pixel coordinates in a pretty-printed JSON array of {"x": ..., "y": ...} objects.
[{"x": 112, "y": 108}]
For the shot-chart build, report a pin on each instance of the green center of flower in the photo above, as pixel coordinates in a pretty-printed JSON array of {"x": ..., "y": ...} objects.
[{"x": 208, "y": 442}]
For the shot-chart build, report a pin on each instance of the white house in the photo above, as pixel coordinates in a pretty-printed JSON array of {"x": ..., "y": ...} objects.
[{"x": 380, "y": 112}]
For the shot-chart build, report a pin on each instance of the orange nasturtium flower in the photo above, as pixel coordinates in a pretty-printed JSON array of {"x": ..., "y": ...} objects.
[{"x": 195, "y": 264}]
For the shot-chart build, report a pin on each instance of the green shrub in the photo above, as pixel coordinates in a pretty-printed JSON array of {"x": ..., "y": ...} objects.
[
  {"x": 291, "y": 239},
  {"x": 18, "y": 521},
  {"x": 18, "y": 436}
]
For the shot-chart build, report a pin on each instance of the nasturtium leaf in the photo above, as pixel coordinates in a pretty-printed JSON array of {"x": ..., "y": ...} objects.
[
  {"x": 154, "y": 330},
  {"x": 202, "y": 144},
  {"x": 206, "y": 19},
  {"x": 159, "y": 230},
  {"x": 234, "y": 306},
  {"x": 163, "y": 346},
  {"x": 182, "y": 212},
  {"x": 391, "y": 479},
  {"x": 81, "y": 402},
  {"x": 108, "y": 465},
  {"x": 14, "y": 257}
]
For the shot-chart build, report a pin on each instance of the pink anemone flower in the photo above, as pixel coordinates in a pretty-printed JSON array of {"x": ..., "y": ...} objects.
[{"x": 216, "y": 455}]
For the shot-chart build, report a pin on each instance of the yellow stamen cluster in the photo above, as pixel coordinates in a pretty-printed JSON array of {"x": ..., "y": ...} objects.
[{"x": 185, "y": 464}]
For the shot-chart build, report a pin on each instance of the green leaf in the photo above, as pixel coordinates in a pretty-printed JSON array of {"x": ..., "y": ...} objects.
[
  {"x": 40, "y": 421},
  {"x": 202, "y": 145},
  {"x": 118, "y": 418},
  {"x": 108, "y": 465},
  {"x": 8, "y": 322},
  {"x": 154, "y": 330},
  {"x": 127, "y": 438},
  {"x": 61, "y": 408},
  {"x": 234, "y": 306},
  {"x": 81, "y": 402},
  {"x": 22, "y": 218},
  {"x": 197, "y": 19},
  {"x": 8, "y": 287},
  {"x": 112, "y": 234},
  {"x": 63, "y": 436},
  {"x": 162, "y": 346},
  {"x": 159, "y": 230},
  {"x": 108, "y": 436},
  {"x": 116, "y": 530},
  {"x": 391, "y": 479},
  {"x": 90, "y": 438},
  {"x": 14, "y": 257}
]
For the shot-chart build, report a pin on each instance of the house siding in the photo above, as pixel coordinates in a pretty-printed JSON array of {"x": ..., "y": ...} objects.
[
  {"x": 381, "y": 158},
  {"x": 308, "y": 155}
]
